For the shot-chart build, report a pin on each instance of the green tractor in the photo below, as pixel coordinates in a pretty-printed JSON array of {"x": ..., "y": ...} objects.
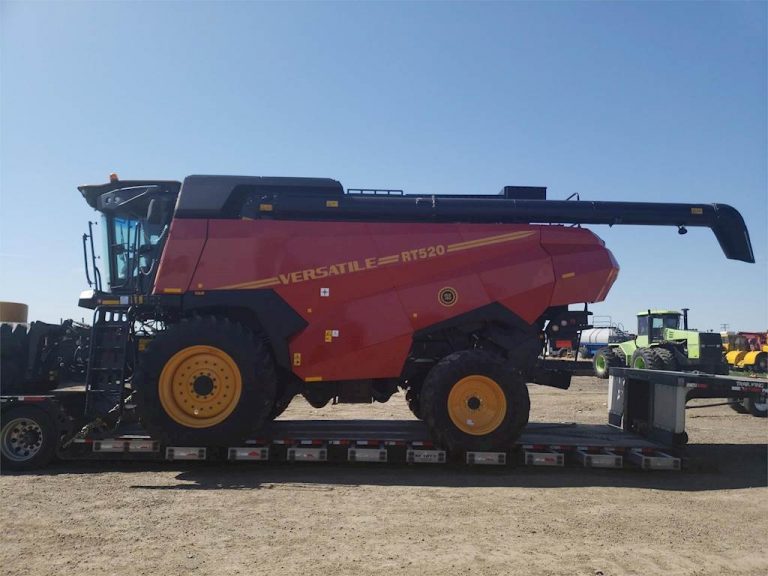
[{"x": 661, "y": 344}]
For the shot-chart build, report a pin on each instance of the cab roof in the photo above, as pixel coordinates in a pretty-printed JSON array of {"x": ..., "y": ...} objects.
[{"x": 658, "y": 312}]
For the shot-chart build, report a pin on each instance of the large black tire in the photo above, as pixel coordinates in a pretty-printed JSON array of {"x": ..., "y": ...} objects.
[
  {"x": 667, "y": 359},
  {"x": 607, "y": 358},
  {"x": 758, "y": 409},
  {"x": 646, "y": 359},
  {"x": 280, "y": 406},
  {"x": 414, "y": 402},
  {"x": 172, "y": 403},
  {"x": 468, "y": 383},
  {"x": 761, "y": 363},
  {"x": 28, "y": 440}
]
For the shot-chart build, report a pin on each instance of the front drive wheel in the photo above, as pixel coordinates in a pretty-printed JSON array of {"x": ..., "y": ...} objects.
[
  {"x": 28, "y": 438},
  {"x": 205, "y": 381},
  {"x": 605, "y": 359},
  {"x": 471, "y": 401}
]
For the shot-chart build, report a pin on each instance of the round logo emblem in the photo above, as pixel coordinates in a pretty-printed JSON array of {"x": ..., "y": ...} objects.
[{"x": 447, "y": 296}]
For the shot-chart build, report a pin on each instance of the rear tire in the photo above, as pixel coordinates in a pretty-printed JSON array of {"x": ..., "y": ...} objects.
[
  {"x": 471, "y": 401},
  {"x": 28, "y": 440},
  {"x": 646, "y": 359},
  {"x": 666, "y": 359},
  {"x": 204, "y": 381},
  {"x": 605, "y": 359}
]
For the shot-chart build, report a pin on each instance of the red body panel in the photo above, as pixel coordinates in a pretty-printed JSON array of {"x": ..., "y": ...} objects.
[{"x": 364, "y": 287}]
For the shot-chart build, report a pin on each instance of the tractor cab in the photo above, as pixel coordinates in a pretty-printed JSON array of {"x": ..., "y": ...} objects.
[
  {"x": 135, "y": 217},
  {"x": 657, "y": 326}
]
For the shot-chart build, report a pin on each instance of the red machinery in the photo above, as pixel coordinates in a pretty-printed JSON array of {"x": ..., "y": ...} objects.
[{"x": 227, "y": 296}]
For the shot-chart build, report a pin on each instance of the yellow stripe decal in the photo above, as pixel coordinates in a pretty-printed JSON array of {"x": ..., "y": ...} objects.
[
  {"x": 488, "y": 241},
  {"x": 406, "y": 256},
  {"x": 313, "y": 379},
  {"x": 254, "y": 284},
  {"x": 568, "y": 275},
  {"x": 172, "y": 290}
]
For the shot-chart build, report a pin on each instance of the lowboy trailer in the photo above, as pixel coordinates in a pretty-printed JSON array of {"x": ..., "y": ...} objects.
[{"x": 645, "y": 429}]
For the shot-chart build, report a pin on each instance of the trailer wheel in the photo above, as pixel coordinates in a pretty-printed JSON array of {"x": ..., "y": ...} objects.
[
  {"x": 28, "y": 438},
  {"x": 205, "y": 381},
  {"x": 757, "y": 408},
  {"x": 605, "y": 359},
  {"x": 646, "y": 359},
  {"x": 471, "y": 401}
]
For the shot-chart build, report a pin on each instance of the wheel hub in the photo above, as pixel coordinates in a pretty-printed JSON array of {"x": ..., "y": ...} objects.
[
  {"x": 200, "y": 386},
  {"x": 203, "y": 385},
  {"x": 22, "y": 439},
  {"x": 477, "y": 405}
]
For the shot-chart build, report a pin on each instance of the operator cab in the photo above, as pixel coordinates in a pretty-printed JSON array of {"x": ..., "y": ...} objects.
[
  {"x": 652, "y": 323},
  {"x": 136, "y": 216}
]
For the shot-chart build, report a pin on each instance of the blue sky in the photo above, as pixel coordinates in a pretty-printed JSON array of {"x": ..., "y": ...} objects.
[{"x": 616, "y": 101}]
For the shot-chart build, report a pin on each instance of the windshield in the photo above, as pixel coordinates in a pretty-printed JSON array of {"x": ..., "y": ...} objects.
[
  {"x": 671, "y": 321},
  {"x": 131, "y": 251},
  {"x": 656, "y": 324}
]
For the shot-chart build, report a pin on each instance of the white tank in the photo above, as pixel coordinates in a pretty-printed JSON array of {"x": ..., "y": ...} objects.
[{"x": 601, "y": 336}]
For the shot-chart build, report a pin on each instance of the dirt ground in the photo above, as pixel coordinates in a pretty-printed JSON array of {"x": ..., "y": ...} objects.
[{"x": 141, "y": 519}]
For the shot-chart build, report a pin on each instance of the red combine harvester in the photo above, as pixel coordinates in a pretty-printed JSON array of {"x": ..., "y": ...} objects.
[{"x": 224, "y": 297}]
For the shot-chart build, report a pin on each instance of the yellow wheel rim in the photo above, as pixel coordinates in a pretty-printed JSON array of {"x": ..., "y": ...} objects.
[
  {"x": 477, "y": 405},
  {"x": 200, "y": 386}
]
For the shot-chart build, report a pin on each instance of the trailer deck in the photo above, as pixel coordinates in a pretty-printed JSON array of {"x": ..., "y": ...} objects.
[
  {"x": 396, "y": 441},
  {"x": 645, "y": 429}
]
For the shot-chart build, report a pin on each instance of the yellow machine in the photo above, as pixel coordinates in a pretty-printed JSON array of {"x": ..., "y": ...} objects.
[{"x": 746, "y": 350}]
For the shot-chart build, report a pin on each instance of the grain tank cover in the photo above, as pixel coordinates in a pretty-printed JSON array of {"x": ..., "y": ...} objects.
[{"x": 223, "y": 196}]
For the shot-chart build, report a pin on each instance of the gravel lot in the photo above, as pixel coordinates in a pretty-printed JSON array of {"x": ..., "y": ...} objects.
[{"x": 132, "y": 519}]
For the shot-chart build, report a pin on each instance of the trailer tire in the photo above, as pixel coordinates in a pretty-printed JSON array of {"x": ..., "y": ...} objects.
[
  {"x": 28, "y": 439},
  {"x": 605, "y": 359},
  {"x": 471, "y": 401},
  {"x": 205, "y": 364},
  {"x": 757, "y": 409}
]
